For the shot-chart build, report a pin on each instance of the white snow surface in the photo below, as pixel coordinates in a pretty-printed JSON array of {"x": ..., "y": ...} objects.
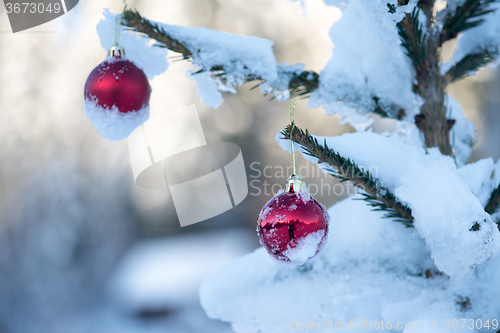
[
  {"x": 478, "y": 176},
  {"x": 367, "y": 61},
  {"x": 462, "y": 134},
  {"x": 485, "y": 36},
  {"x": 371, "y": 269},
  {"x": 152, "y": 60},
  {"x": 306, "y": 248},
  {"x": 279, "y": 87},
  {"x": 443, "y": 206},
  {"x": 168, "y": 272},
  {"x": 113, "y": 124},
  {"x": 207, "y": 88},
  {"x": 239, "y": 56}
]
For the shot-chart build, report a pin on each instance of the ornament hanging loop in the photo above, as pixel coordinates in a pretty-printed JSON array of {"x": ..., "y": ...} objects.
[
  {"x": 294, "y": 183},
  {"x": 116, "y": 50}
]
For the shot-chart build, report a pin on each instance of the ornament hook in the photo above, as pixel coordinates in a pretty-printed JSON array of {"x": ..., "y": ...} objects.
[
  {"x": 294, "y": 183},
  {"x": 116, "y": 50}
]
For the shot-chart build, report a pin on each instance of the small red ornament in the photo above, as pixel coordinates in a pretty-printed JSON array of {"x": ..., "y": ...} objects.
[
  {"x": 293, "y": 226},
  {"x": 117, "y": 96},
  {"x": 118, "y": 82}
]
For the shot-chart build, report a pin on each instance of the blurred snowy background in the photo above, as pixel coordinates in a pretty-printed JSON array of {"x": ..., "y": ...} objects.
[{"x": 82, "y": 249}]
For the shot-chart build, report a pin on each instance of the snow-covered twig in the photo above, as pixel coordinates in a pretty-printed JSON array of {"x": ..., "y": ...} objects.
[
  {"x": 464, "y": 17},
  {"x": 345, "y": 169},
  {"x": 469, "y": 64},
  {"x": 300, "y": 84}
]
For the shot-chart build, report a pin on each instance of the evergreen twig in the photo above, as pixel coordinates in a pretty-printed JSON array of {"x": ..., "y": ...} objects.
[
  {"x": 300, "y": 85},
  {"x": 469, "y": 64},
  {"x": 465, "y": 17},
  {"x": 414, "y": 40},
  {"x": 494, "y": 201},
  {"x": 376, "y": 195}
]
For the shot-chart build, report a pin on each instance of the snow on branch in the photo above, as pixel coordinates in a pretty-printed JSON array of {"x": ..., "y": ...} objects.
[
  {"x": 345, "y": 169},
  {"x": 230, "y": 59},
  {"x": 466, "y": 16},
  {"x": 225, "y": 60},
  {"x": 451, "y": 219},
  {"x": 369, "y": 71},
  {"x": 469, "y": 64},
  {"x": 414, "y": 40},
  {"x": 479, "y": 45}
]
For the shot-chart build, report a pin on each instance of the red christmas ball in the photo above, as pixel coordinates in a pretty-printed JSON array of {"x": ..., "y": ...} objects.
[
  {"x": 293, "y": 226},
  {"x": 118, "y": 82},
  {"x": 117, "y": 96}
]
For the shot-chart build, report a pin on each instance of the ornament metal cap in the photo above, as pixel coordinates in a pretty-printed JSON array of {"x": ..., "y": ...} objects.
[
  {"x": 295, "y": 183},
  {"x": 116, "y": 51}
]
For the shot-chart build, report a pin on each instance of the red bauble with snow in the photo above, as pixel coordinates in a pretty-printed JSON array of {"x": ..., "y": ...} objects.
[
  {"x": 117, "y": 96},
  {"x": 293, "y": 226}
]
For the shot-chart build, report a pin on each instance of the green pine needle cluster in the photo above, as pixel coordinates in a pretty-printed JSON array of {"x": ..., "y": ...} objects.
[
  {"x": 465, "y": 17},
  {"x": 494, "y": 202},
  {"x": 469, "y": 65},
  {"x": 414, "y": 40},
  {"x": 301, "y": 85},
  {"x": 422, "y": 46},
  {"x": 376, "y": 195}
]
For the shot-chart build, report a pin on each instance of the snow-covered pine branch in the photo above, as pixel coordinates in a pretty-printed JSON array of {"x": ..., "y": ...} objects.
[
  {"x": 222, "y": 61},
  {"x": 226, "y": 60},
  {"x": 463, "y": 16},
  {"x": 377, "y": 196},
  {"x": 386, "y": 60}
]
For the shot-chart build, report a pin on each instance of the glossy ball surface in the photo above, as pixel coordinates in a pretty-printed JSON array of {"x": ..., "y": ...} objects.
[
  {"x": 293, "y": 227},
  {"x": 118, "y": 82}
]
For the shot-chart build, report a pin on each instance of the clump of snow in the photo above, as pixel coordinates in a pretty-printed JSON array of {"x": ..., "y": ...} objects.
[
  {"x": 113, "y": 124},
  {"x": 462, "y": 134},
  {"x": 239, "y": 56},
  {"x": 305, "y": 249},
  {"x": 443, "y": 206},
  {"x": 279, "y": 87},
  {"x": 368, "y": 61},
  {"x": 372, "y": 269},
  {"x": 486, "y": 36},
  {"x": 478, "y": 177},
  {"x": 153, "y": 60},
  {"x": 304, "y": 195},
  {"x": 363, "y": 269},
  {"x": 207, "y": 88}
]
